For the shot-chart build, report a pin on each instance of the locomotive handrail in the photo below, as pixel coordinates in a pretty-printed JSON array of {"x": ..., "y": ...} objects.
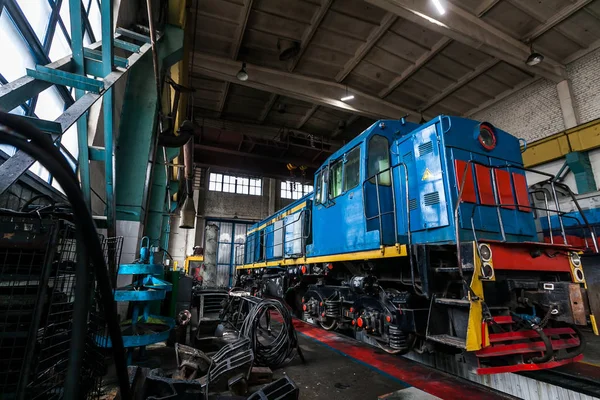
[
  {"x": 544, "y": 192},
  {"x": 498, "y": 206}
]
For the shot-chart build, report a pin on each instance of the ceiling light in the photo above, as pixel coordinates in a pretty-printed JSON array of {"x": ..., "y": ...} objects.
[
  {"x": 242, "y": 74},
  {"x": 534, "y": 58},
  {"x": 439, "y": 7},
  {"x": 346, "y": 98}
]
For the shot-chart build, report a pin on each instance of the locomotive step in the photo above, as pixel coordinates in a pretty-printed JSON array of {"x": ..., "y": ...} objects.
[
  {"x": 449, "y": 340},
  {"x": 453, "y": 302}
]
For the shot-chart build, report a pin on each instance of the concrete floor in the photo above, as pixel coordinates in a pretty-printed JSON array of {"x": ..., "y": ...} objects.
[
  {"x": 592, "y": 350},
  {"x": 337, "y": 367}
]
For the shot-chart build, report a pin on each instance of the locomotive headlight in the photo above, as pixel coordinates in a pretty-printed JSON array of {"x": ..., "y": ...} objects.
[
  {"x": 486, "y": 136},
  {"x": 487, "y": 271},
  {"x": 485, "y": 252},
  {"x": 575, "y": 259},
  {"x": 578, "y": 274}
]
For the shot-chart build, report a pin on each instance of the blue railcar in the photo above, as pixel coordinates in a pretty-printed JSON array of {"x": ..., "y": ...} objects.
[{"x": 421, "y": 234}]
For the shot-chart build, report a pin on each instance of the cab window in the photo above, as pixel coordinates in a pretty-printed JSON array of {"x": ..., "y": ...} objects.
[
  {"x": 352, "y": 169},
  {"x": 318, "y": 186},
  {"x": 335, "y": 182},
  {"x": 378, "y": 160}
]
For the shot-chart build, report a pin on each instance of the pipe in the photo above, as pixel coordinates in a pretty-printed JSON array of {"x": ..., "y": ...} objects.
[
  {"x": 174, "y": 141},
  {"x": 154, "y": 52}
]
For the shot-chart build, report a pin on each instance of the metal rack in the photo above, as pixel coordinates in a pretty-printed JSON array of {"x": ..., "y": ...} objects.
[
  {"x": 143, "y": 328},
  {"x": 37, "y": 295}
]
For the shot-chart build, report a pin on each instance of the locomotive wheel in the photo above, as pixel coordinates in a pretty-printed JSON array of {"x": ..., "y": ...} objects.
[{"x": 330, "y": 325}]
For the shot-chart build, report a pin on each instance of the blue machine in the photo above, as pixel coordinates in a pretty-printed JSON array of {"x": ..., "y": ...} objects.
[
  {"x": 144, "y": 328},
  {"x": 363, "y": 191},
  {"x": 425, "y": 235}
]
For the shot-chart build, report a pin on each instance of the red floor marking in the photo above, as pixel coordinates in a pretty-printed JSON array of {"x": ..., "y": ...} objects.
[{"x": 427, "y": 379}]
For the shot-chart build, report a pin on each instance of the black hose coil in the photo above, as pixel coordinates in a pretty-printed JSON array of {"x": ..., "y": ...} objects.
[{"x": 279, "y": 350}]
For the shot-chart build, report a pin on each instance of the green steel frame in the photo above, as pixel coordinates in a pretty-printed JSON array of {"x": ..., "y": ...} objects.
[{"x": 71, "y": 71}]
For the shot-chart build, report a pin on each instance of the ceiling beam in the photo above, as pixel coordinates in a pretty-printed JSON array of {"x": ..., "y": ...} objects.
[
  {"x": 349, "y": 122},
  {"x": 307, "y": 116},
  {"x": 268, "y": 107},
  {"x": 235, "y": 48},
  {"x": 233, "y": 152},
  {"x": 556, "y": 19},
  {"x": 501, "y": 96},
  {"x": 583, "y": 52},
  {"x": 481, "y": 69},
  {"x": 241, "y": 28},
  {"x": 308, "y": 34},
  {"x": 265, "y": 131},
  {"x": 485, "y": 6},
  {"x": 223, "y": 98},
  {"x": 467, "y": 28},
  {"x": 407, "y": 73},
  {"x": 372, "y": 39},
  {"x": 246, "y": 166},
  {"x": 301, "y": 87}
]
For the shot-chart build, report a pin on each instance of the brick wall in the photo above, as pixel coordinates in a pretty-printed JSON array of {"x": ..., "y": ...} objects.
[
  {"x": 531, "y": 113},
  {"x": 534, "y": 111},
  {"x": 585, "y": 81}
]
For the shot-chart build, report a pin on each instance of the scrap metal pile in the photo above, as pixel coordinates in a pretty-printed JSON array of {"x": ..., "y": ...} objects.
[{"x": 264, "y": 338}]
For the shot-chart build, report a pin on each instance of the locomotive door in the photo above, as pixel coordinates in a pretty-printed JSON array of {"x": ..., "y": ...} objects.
[
  {"x": 427, "y": 200},
  {"x": 379, "y": 207}
]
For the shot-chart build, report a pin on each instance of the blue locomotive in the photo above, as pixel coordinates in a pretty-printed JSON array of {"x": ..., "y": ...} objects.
[{"x": 425, "y": 237}]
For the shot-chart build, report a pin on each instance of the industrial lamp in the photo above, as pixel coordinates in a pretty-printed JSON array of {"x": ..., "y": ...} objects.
[
  {"x": 242, "y": 74},
  {"x": 534, "y": 58},
  {"x": 187, "y": 214}
]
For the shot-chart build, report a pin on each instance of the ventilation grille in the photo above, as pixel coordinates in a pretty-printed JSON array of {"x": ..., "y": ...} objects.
[
  {"x": 425, "y": 148},
  {"x": 408, "y": 157},
  {"x": 431, "y": 198},
  {"x": 412, "y": 204}
]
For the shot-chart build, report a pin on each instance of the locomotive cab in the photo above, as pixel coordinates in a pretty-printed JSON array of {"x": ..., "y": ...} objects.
[{"x": 495, "y": 289}]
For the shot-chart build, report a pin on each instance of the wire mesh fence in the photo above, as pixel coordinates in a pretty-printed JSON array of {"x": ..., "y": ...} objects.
[{"x": 38, "y": 260}]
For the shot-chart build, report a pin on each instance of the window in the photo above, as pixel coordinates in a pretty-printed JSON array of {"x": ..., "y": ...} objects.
[
  {"x": 335, "y": 182},
  {"x": 215, "y": 182},
  {"x": 50, "y": 23},
  {"x": 352, "y": 169},
  {"x": 379, "y": 160},
  {"x": 294, "y": 190},
  {"x": 235, "y": 184},
  {"x": 318, "y": 191},
  {"x": 255, "y": 187}
]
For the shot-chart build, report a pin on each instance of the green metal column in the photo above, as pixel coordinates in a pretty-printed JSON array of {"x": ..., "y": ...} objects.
[
  {"x": 579, "y": 164},
  {"x": 78, "y": 68},
  {"x": 138, "y": 135},
  {"x": 107, "y": 101}
]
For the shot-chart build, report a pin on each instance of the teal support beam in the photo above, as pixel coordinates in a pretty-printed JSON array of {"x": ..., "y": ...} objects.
[
  {"x": 579, "y": 164},
  {"x": 82, "y": 128},
  {"x": 135, "y": 150},
  {"x": 59, "y": 77},
  {"x": 108, "y": 110}
]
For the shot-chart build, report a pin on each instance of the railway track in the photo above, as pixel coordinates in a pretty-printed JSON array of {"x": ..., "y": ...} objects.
[{"x": 579, "y": 377}]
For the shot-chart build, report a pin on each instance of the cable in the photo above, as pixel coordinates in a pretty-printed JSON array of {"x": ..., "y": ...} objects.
[
  {"x": 39, "y": 146},
  {"x": 34, "y": 198},
  {"x": 279, "y": 351}
]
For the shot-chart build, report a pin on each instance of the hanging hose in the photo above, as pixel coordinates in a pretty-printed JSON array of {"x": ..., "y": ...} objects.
[
  {"x": 549, "y": 353},
  {"x": 574, "y": 352},
  {"x": 279, "y": 350}
]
